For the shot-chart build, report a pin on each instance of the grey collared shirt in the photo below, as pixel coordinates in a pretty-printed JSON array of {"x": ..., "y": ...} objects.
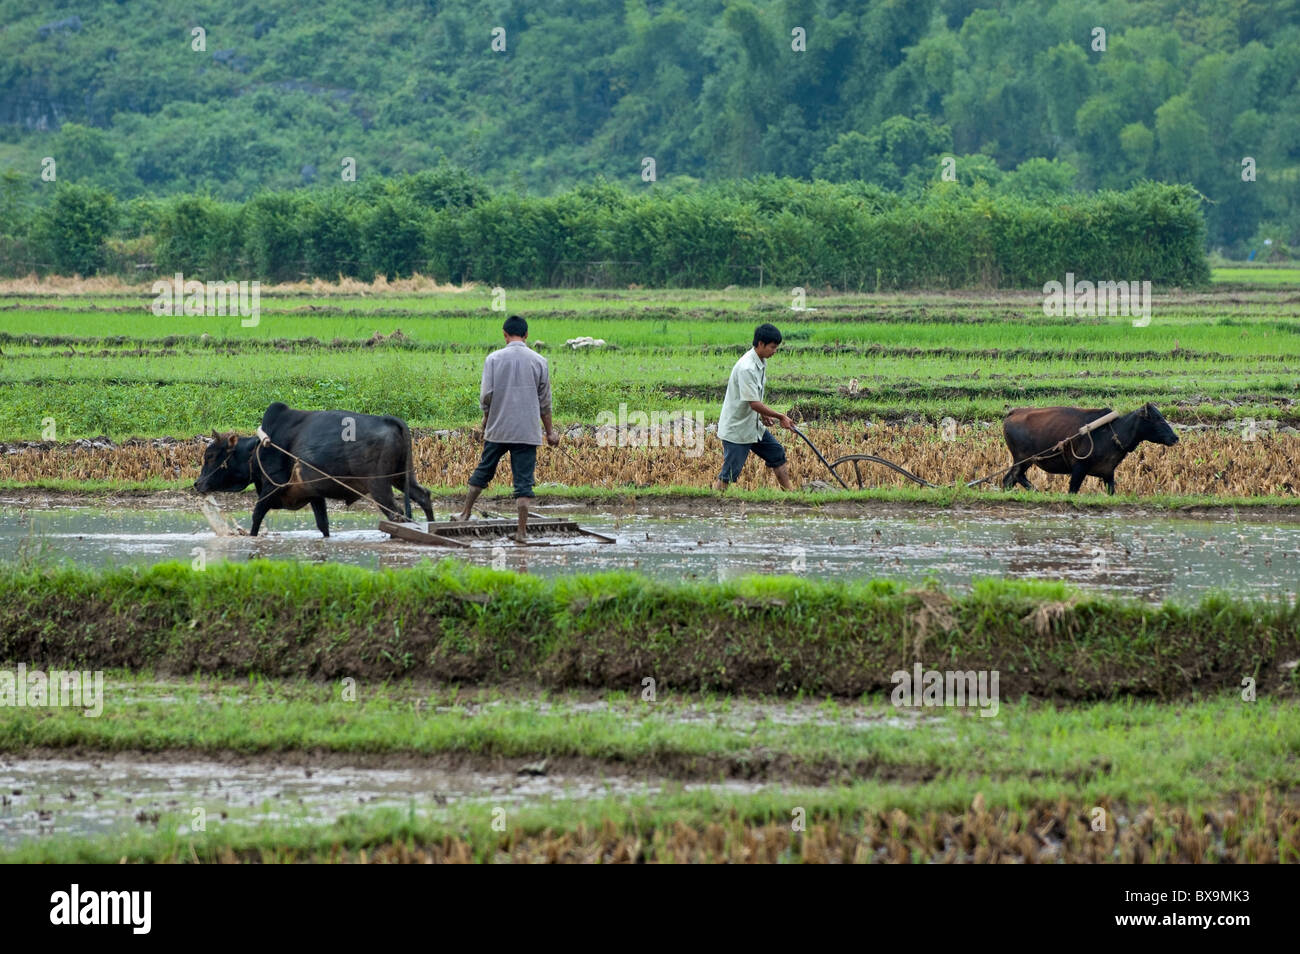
[
  {"x": 516, "y": 392},
  {"x": 739, "y": 423}
]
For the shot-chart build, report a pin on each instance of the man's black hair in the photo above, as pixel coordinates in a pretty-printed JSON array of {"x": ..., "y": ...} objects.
[
  {"x": 516, "y": 327},
  {"x": 766, "y": 333}
]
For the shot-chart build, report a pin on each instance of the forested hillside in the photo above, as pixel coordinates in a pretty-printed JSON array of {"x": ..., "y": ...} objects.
[{"x": 276, "y": 95}]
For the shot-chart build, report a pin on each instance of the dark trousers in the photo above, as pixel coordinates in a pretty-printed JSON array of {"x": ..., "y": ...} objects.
[
  {"x": 767, "y": 447},
  {"x": 523, "y": 461}
]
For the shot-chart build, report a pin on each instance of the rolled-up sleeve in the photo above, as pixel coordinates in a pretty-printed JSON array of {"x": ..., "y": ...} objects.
[
  {"x": 544, "y": 389},
  {"x": 485, "y": 389},
  {"x": 750, "y": 385}
]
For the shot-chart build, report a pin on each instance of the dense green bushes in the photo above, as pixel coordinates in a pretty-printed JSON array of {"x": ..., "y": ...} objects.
[
  {"x": 780, "y": 232},
  {"x": 75, "y": 227}
]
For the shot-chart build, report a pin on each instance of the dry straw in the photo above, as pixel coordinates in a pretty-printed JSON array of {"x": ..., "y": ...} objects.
[
  {"x": 1251, "y": 830},
  {"x": 1208, "y": 463}
]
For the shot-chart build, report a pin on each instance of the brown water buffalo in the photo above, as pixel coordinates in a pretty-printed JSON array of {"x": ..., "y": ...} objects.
[
  {"x": 367, "y": 454},
  {"x": 1029, "y": 430}
]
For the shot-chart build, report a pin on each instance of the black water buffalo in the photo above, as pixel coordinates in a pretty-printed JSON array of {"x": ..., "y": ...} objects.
[
  {"x": 1029, "y": 430},
  {"x": 368, "y": 454}
]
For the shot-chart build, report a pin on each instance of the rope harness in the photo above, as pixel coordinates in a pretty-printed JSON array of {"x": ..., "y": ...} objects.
[
  {"x": 1113, "y": 436},
  {"x": 1056, "y": 448}
]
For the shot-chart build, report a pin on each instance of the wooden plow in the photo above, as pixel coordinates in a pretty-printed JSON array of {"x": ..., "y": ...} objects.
[
  {"x": 857, "y": 460},
  {"x": 466, "y": 533}
]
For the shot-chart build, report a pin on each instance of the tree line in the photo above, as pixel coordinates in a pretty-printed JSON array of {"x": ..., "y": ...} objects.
[
  {"x": 760, "y": 231},
  {"x": 541, "y": 96}
]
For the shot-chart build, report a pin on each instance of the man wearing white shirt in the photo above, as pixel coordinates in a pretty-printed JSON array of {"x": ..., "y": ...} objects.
[{"x": 742, "y": 426}]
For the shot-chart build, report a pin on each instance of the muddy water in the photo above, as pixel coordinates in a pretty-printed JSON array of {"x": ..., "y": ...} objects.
[
  {"x": 67, "y": 796},
  {"x": 104, "y": 794},
  {"x": 1143, "y": 555}
]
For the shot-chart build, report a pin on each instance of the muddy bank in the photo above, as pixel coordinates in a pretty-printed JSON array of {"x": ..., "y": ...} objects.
[
  {"x": 77, "y": 791},
  {"x": 455, "y": 623},
  {"x": 1243, "y": 829},
  {"x": 660, "y": 504},
  {"x": 757, "y": 767},
  {"x": 66, "y": 795}
]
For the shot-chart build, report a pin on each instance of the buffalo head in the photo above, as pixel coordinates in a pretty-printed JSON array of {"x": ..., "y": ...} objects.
[
  {"x": 1153, "y": 427},
  {"x": 227, "y": 464}
]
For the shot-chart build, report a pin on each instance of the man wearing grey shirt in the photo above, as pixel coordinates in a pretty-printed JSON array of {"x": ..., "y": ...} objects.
[
  {"x": 515, "y": 394},
  {"x": 741, "y": 425}
]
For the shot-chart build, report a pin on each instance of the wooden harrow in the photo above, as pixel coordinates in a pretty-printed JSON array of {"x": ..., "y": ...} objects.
[{"x": 465, "y": 533}]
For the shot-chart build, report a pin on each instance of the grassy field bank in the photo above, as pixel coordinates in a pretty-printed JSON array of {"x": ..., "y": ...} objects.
[
  {"x": 450, "y": 621},
  {"x": 947, "y": 786},
  {"x": 104, "y": 364}
]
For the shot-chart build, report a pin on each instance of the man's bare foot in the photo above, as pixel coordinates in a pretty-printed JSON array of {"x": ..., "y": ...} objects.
[
  {"x": 519, "y": 539},
  {"x": 459, "y": 517},
  {"x": 719, "y": 486}
]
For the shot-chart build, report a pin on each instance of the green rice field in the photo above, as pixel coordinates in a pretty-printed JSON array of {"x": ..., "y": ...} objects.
[{"x": 515, "y": 708}]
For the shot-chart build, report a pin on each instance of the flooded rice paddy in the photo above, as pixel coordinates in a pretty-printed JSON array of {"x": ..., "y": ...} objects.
[
  {"x": 102, "y": 795},
  {"x": 107, "y": 793},
  {"x": 1148, "y": 556}
]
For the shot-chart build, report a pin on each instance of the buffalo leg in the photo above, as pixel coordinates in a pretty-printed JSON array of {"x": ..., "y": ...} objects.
[
  {"x": 1016, "y": 476},
  {"x": 418, "y": 495},
  {"x": 322, "y": 519},
  {"x": 421, "y": 496},
  {"x": 1110, "y": 484},
  {"x": 383, "y": 494},
  {"x": 1076, "y": 478},
  {"x": 259, "y": 511}
]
